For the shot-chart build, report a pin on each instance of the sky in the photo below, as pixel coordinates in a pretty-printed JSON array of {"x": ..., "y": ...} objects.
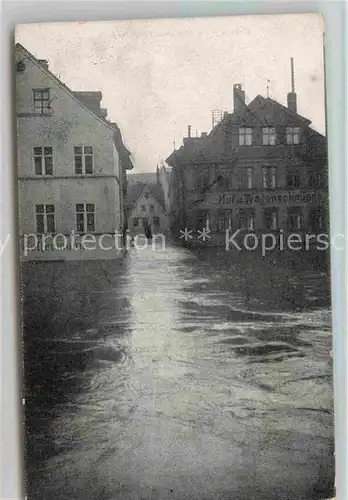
[{"x": 159, "y": 76}]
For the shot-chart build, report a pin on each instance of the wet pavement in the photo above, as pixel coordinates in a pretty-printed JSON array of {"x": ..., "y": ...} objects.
[{"x": 177, "y": 375}]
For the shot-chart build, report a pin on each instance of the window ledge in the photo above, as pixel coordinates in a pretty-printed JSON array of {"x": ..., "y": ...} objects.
[{"x": 25, "y": 115}]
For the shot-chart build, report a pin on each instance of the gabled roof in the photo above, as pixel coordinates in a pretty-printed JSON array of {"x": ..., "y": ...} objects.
[
  {"x": 81, "y": 98},
  {"x": 135, "y": 191},
  {"x": 262, "y": 111},
  {"x": 62, "y": 85},
  {"x": 270, "y": 112}
]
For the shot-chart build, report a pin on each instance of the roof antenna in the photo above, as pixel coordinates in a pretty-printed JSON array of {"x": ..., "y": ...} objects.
[
  {"x": 174, "y": 145},
  {"x": 292, "y": 76},
  {"x": 268, "y": 82}
]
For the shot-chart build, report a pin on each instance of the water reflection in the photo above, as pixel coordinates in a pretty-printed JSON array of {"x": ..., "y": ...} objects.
[
  {"x": 177, "y": 375},
  {"x": 65, "y": 343}
]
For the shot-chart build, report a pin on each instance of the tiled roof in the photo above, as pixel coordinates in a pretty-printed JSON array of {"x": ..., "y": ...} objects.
[
  {"x": 135, "y": 190},
  {"x": 260, "y": 111}
]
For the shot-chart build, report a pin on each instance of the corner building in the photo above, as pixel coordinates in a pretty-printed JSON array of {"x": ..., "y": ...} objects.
[{"x": 262, "y": 168}]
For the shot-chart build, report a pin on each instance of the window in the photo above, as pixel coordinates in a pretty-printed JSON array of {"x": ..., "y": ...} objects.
[
  {"x": 221, "y": 224},
  {"x": 249, "y": 177},
  {"x": 156, "y": 221},
  {"x": 224, "y": 182},
  {"x": 43, "y": 160},
  {"x": 224, "y": 221},
  {"x": 315, "y": 180},
  {"x": 271, "y": 219},
  {"x": 294, "y": 219},
  {"x": 204, "y": 179},
  {"x": 202, "y": 221},
  {"x": 145, "y": 221},
  {"x": 136, "y": 222},
  {"x": 316, "y": 220},
  {"x": 45, "y": 222},
  {"x": 147, "y": 195},
  {"x": 85, "y": 217},
  {"x": 245, "y": 136},
  {"x": 293, "y": 181},
  {"x": 293, "y": 135},
  {"x": 269, "y": 136},
  {"x": 152, "y": 208},
  {"x": 269, "y": 176},
  {"x": 83, "y": 156},
  {"x": 246, "y": 220},
  {"x": 143, "y": 208},
  {"x": 42, "y": 101}
]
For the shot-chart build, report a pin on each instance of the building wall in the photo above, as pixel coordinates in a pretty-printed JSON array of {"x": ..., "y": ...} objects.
[
  {"x": 64, "y": 195},
  {"x": 164, "y": 174},
  {"x": 139, "y": 213},
  {"x": 198, "y": 194},
  {"x": 68, "y": 125}
]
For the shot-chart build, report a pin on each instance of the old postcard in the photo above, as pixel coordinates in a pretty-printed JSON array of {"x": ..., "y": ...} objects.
[{"x": 175, "y": 259}]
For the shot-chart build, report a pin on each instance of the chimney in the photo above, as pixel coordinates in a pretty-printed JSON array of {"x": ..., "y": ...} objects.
[
  {"x": 43, "y": 63},
  {"x": 238, "y": 98},
  {"x": 103, "y": 113},
  {"x": 158, "y": 175},
  {"x": 292, "y": 97},
  {"x": 91, "y": 100},
  {"x": 188, "y": 131}
]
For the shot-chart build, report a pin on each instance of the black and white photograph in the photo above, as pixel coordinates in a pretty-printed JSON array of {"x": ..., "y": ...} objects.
[{"x": 175, "y": 282}]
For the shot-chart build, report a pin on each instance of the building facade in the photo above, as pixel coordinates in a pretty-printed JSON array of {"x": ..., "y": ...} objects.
[
  {"x": 71, "y": 160},
  {"x": 262, "y": 168},
  {"x": 165, "y": 174},
  {"x": 147, "y": 209}
]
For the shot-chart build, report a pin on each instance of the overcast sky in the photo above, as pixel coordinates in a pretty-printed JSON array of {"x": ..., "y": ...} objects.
[{"x": 158, "y": 76}]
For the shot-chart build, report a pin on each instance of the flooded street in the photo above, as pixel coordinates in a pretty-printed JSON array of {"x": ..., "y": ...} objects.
[{"x": 177, "y": 375}]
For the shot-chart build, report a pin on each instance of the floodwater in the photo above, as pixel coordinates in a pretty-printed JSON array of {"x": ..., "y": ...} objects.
[{"x": 177, "y": 375}]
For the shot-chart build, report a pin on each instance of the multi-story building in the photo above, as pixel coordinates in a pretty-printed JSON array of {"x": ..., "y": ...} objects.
[
  {"x": 71, "y": 159},
  {"x": 146, "y": 204},
  {"x": 261, "y": 168}
]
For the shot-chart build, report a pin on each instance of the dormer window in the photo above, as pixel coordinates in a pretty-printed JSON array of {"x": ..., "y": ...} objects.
[
  {"x": 42, "y": 101},
  {"x": 269, "y": 136},
  {"x": 293, "y": 135},
  {"x": 245, "y": 136}
]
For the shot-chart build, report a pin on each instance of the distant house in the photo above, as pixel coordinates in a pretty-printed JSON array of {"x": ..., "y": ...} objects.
[
  {"x": 146, "y": 208},
  {"x": 71, "y": 159}
]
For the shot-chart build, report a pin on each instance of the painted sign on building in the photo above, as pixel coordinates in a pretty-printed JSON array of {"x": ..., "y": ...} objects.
[{"x": 288, "y": 198}]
